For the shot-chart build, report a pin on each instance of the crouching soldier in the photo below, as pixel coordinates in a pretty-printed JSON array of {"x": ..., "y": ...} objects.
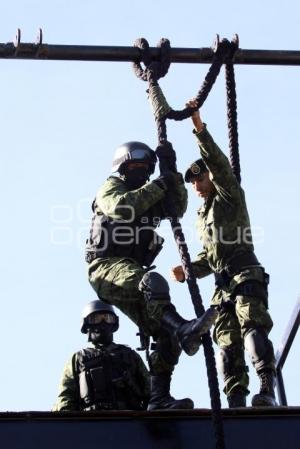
[{"x": 105, "y": 376}]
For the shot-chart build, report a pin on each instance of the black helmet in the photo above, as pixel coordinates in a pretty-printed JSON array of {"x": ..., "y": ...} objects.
[
  {"x": 133, "y": 151},
  {"x": 196, "y": 168},
  {"x": 97, "y": 306}
]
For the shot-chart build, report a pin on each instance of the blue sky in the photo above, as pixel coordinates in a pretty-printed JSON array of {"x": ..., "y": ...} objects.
[{"x": 60, "y": 124}]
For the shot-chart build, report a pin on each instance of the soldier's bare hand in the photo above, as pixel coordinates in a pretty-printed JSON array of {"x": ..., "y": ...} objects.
[
  {"x": 177, "y": 274},
  {"x": 196, "y": 119}
]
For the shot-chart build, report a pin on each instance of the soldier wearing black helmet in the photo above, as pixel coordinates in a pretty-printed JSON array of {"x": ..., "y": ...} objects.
[
  {"x": 105, "y": 376},
  {"x": 120, "y": 251}
]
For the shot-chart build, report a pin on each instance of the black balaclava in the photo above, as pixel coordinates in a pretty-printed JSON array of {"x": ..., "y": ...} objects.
[
  {"x": 101, "y": 333},
  {"x": 136, "y": 177}
]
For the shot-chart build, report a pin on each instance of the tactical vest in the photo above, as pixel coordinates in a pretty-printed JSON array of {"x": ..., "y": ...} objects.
[
  {"x": 106, "y": 381},
  {"x": 115, "y": 238}
]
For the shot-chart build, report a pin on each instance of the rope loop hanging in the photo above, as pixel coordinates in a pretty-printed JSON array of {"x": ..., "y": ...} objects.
[
  {"x": 167, "y": 162},
  {"x": 161, "y": 109},
  {"x": 224, "y": 53}
]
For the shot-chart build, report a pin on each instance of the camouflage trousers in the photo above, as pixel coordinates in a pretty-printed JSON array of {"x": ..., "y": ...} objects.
[
  {"x": 116, "y": 280},
  {"x": 239, "y": 314}
]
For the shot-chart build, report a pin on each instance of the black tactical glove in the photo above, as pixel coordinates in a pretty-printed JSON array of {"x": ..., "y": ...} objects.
[
  {"x": 166, "y": 155},
  {"x": 164, "y": 182},
  {"x": 168, "y": 181},
  {"x": 166, "y": 150}
]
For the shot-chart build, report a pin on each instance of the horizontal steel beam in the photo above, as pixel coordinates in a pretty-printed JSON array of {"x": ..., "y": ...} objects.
[
  {"x": 42, "y": 51},
  {"x": 247, "y": 428}
]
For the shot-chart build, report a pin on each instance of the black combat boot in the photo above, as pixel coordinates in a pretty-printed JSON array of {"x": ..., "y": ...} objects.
[
  {"x": 237, "y": 398},
  {"x": 266, "y": 395},
  {"x": 160, "y": 397},
  {"x": 189, "y": 333}
]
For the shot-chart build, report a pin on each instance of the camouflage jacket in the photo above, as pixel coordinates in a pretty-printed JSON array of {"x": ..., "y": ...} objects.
[
  {"x": 124, "y": 220},
  {"x": 115, "y": 200},
  {"x": 223, "y": 223},
  {"x": 126, "y": 386}
]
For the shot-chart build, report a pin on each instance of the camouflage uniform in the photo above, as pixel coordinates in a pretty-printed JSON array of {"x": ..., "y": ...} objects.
[
  {"x": 116, "y": 277},
  {"x": 224, "y": 229},
  {"x": 125, "y": 387}
]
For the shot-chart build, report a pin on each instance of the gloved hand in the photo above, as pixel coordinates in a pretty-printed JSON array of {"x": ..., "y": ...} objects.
[
  {"x": 169, "y": 180},
  {"x": 166, "y": 182},
  {"x": 166, "y": 151}
]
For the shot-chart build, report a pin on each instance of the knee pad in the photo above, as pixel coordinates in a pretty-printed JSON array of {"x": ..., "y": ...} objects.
[
  {"x": 230, "y": 362},
  {"x": 154, "y": 286},
  {"x": 259, "y": 347},
  {"x": 160, "y": 363},
  {"x": 224, "y": 362},
  {"x": 169, "y": 349}
]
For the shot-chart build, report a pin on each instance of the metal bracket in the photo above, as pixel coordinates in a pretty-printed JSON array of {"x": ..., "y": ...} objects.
[
  {"x": 17, "y": 42},
  {"x": 216, "y": 43},
  {"x": 39, "y": 43},
  {"x": 236, "y": 40}
]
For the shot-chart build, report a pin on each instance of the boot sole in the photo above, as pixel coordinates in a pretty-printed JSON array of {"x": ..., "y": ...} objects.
[
  {"x": 191, "y": 343},
  {"x": 259, "y": 402},
  {"x": 183, "y": 404}
]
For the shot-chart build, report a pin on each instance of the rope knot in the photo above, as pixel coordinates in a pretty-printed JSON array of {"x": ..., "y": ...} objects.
[{"x": 154, "y": 69}]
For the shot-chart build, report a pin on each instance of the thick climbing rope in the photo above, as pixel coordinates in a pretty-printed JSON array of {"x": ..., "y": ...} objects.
[
  {"x": 153, "y": 71},
  {"x": 232, "y": 112}
]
